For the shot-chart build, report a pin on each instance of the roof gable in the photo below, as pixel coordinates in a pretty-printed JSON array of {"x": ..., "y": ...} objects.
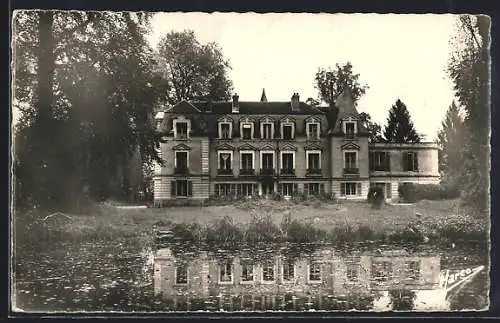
[
  {"x": 267, "y": 147},
  {"x": 313, "y": 146},
  {"x": 224, "y": 146},
  {"x": 350, "y": 145},
  {"x": 288, "y": 146},
  {"x": 181, "y": 146},
  {"x": 184, "y": 107},
  {"x": 247, "y": 146}
]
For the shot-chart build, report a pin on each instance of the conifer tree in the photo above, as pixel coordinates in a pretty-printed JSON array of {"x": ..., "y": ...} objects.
[{"x": 399, "y": 127}]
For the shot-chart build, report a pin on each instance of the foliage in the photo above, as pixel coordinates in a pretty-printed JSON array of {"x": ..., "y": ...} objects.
[
  {"x": 376, "y": 197},
  {"x": 469, "y": 68},
  {"x": 331, "y": 82},
  {"x": 399, "y": 127},
  {"x": 412, "y": 193},
  {"x": 450, "y": 139},
  {"x": 192, "y": 71},
  {"x": 85, "y": 88},
  {"x": 224, "y": 232},
  {"x": 295, "y": 231},
  {"x": 402, "y": 299},
  {"x": 262, "y": 229},
  {"x": 374, "y": 129}
]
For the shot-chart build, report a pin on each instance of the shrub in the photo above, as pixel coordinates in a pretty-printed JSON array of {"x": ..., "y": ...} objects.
[
  {"x": 262, "y": 229},
  {"x": 224, "y": 232},
  {"x": 297, "y": 232},
  {"x": 402, "y": 299},
  {"x": 376, "y": 197},
  {"x": 411, "y": 192}
]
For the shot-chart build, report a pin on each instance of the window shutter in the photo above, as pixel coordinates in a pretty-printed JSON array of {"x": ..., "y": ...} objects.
[
  {"x": 295, "y": 188},
  {"x": 359, "y": 189},
  {"x": 321, "y": 188},
  {"x": 371, "y": 160},
  {"x": 216, "y": 189},
  {"x": 342, "y": 189},
  {"x": 415, "y": 159},
  {"x": 405, "y": 161},
  {"x": 280, "y": 188},
  {"x": 173, "y": 187},
  {"x": 190, "y": 188},
  {"x": 306, "y": 189},
  {"x": 388, "y": 161}
]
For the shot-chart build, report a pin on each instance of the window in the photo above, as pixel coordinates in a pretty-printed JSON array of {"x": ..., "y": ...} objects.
[
  {"x": 350, "y": 160},
  {"x": 246, "y": 272},
  {"x": 287, "y": 162},
  {"x": 247, "y": 131},
  {"x": 226, "y": 272},
  {"x": 350, "y": 189},
  {"x": 314, "y": 272},
  {"x": 267, "y": 160},
  {"x": 352, "y": 272},
  {"x": 181, "y": 161},
  {"x": 287, "y": 133},
  {"x": 225, "y": 160},
  {"x": 267, "y": 131},
  {"x": 313, "y": 188},
  {"x": 181, "y": 274},
  {"x": 181, "y": 130},
  {"x": 181, "y": 188},
  {"x": 225, "y": 130},
  {"x": 380, "y": 161},
  {"x": 268, "y": 272},
  {"x": 381, "y": 271},
  {"x": 412, "y": 269},
  {"x": 410, "y": 161},
  {"x": 313, "y": 160},
  {"x": 223, "y": 189},
  {"x": 287, "y": 189},
  {"x": 313, "y": 130},
  {"x": 350, "y": 129},
  {"x": 246, "y": 160},
  {"x": 288, "y": 270}
]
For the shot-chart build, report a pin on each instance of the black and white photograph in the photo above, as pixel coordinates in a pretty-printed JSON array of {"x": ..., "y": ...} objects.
[{"x": 191, "y": 162}]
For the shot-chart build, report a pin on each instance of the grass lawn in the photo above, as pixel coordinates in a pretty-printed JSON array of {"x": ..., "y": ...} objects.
[{"x": 391, "y": 218}]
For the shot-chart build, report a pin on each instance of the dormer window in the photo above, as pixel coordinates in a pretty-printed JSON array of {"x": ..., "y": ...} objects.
[
  {"x": 350, "y": 127},
  {"x": 247, "y": 131},
  {"x": 225, "y": 130},
  {"x": 181, "y": 128},
  {"x": 313, "y": 130},
  {"x": 287, "y": 129},
  {"x": 267, "y": 130}
]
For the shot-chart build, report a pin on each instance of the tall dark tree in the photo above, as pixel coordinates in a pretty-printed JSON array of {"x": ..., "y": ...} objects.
[
  {"x": 330, "y": 82},
  {"x": 450, "y": 140},
  {"x": 399, "y": 127},
  {"x": 192, "y": 70},
  {"x": 469, "y": 68},
  {"x": 86, "y": 99}
]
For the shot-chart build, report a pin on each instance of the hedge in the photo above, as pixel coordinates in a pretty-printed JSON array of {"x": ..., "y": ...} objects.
[{"x": 412, "y": 193}]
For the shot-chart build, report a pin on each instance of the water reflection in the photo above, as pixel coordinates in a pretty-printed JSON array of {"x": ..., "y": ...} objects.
[{"x": 284, "y": 278}]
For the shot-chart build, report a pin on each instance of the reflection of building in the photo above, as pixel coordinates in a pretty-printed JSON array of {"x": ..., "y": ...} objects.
[
  {"x": 254, "y": 148},
  {"x": 281, "y": 278}
]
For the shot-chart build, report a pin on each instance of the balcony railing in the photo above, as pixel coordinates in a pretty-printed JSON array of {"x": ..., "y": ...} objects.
[
  {"x": 181, "y": 170},
  {"x": 313, "y": 171},
  {"x": 224, "y": 171},
  {"x": 247, "y": 172},
  {"x": 351, "y": 171},
  {"x": 287, "y": 172},
  {"x": 267, "y": 171},
  {"x": 381, "y": 168}
]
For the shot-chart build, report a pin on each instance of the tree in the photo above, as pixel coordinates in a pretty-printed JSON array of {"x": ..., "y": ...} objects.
[
  {"x": 312, "y": 102},
  {"x": 374, "y": 129},
  {"x": 330, "y": 83},
  {"x": 192, "y": 70},
  {"x": 399, "y": 127},
  {"x": 450, "y": 139},
  {"x": 469, "y": 68},
  {"x": 86, "y": 98}
]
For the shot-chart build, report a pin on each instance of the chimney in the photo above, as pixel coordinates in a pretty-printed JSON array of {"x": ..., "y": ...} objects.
[
  {"x": 295, "y": 102},
  {"x": 236, "y": 104}
]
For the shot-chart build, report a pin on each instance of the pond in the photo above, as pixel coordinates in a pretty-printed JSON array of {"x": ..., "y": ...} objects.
[{"x": 132, "y": 276}]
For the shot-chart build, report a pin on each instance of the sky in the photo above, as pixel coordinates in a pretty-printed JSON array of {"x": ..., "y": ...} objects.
[{"x": 397, "y": 56}]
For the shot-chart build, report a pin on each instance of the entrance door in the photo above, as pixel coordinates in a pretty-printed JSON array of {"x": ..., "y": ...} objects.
[{"x": 267, "y": 188}]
